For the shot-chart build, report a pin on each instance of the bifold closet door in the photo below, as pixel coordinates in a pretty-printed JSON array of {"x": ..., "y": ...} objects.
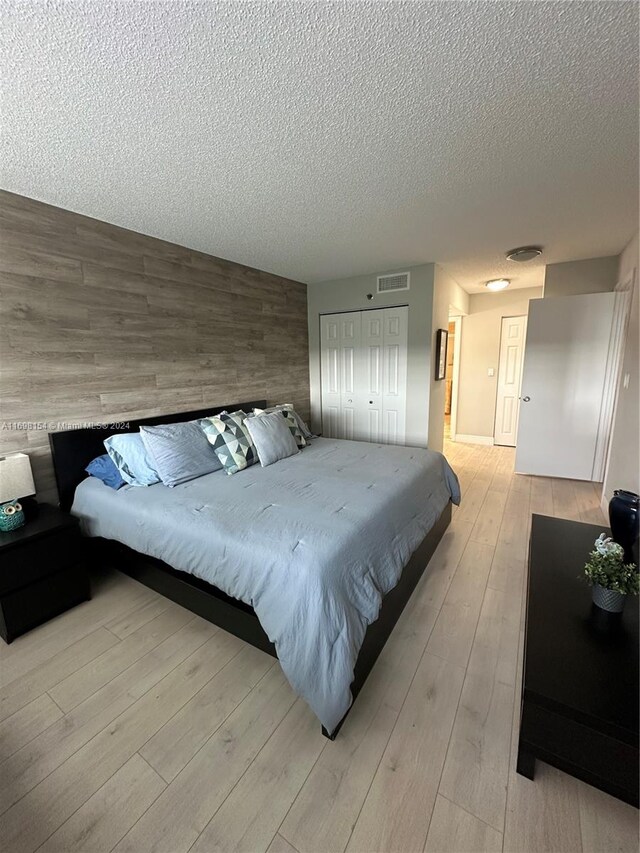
[
  {"x": 341, "y": 371},
  {"x": 364, "y": 375}
]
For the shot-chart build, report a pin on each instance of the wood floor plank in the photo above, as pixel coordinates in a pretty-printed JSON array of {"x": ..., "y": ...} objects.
[
  {"x": 280, "y": 845},
  {"x": 122, "y": 626},
  {"x": 410, "y": 768},
  {"x": 101, "y": 822},
  {"x": 543, "y": 816},
  {"x": 444, "y": 563},
  {"x": 501, "y": 480},
  {"x": 522, "y": 483},
  {"x": 514, "y": 534},
  {"x": 486, "y": 468},
  {"x": 255, "y": 808},
  {"x": 472, "y": 500},
  {"x": 487, "y": 526},
  {"x": 330, "y": 800},
  {"x": 518, "y": 503},
  {"x": 541, "y": 496},
  {"x": 495, "y": 646},
  {"x": 507, "y": 571},
  {"x": 452, "y": 635},
  {"x": 175, "y": 820},
  {"x": 25, "y": 724},
  {"x": 606, "y": 823},
  {"x": 453, "y": 830},
  {"x": 588, "y": 501},
  {"x": 84, "y": 682},
  {"x": 36, "y": 760},
  {"x": 70, "y": 785},
  {"x": 476, "y": 769},
  {"x": 565, "y": 503},
  {"x": 175, "y": 744},
  {"x": 41, "y": 678}
]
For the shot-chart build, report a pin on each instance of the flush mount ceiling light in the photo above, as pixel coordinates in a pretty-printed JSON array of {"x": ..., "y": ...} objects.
[
  {"x": 497, "y": 284},
  {"x": 524, "y": 253}
]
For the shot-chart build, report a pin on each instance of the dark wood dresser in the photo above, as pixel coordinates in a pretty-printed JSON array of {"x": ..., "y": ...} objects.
[
  {"x": 42, "y": 571},
  {"x": 580, "y": 677}
]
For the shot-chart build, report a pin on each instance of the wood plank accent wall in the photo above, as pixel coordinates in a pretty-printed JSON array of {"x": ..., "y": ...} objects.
[{"x": 101, "y": 324}]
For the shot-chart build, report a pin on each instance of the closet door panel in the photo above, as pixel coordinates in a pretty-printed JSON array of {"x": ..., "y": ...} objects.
[
  {"x": 374, "y": 426},
  {"x": 350, "y": 331},
  {"x": 373, "y": 354},
  {"x": 330, "y": 365},
  {"x": 394, "y": 380},
  {"x": 341, "y": 367}
]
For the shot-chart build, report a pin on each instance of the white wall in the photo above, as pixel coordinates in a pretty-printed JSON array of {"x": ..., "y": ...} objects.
[
  {"x": 351, "y": 295},
  {"x": 623, "y": 469},
  {"x": 594, "y": 275},
  {"x": 448, "y": 297},
  {"x": 480, "y": 350}
]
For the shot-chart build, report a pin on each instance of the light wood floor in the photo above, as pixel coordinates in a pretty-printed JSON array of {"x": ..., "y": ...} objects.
[{"x": 128, "y": 724}]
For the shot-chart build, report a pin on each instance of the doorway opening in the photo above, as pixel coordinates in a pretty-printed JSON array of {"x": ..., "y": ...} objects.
[{"x": 451, "y": 376}]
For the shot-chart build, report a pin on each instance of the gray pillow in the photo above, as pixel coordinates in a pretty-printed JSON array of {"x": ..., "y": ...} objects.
[
  {"x": 181, "y": 452},
  {"x": 272, "y": 438}
]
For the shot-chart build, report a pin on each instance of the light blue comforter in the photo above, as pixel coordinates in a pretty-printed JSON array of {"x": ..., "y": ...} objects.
[{"x": 312, "y": 543}]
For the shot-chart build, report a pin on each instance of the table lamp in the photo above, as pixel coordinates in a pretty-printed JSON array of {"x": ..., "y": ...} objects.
[{"x": 16, "y": 481}]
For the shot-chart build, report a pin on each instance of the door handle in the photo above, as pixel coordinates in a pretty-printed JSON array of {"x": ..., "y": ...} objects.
[
  {"x": 371, "y": 402},
  {"x": 349, "y": 401},
  {"x": 525, "y": 399}
]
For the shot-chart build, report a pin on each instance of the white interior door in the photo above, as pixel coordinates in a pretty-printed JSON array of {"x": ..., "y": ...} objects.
[
  {"x": 563, "y": 379},
  {"x": 394, "y": 373},
  {"x": 509, "y": 379},
  {"x": 373, "y": 359}
]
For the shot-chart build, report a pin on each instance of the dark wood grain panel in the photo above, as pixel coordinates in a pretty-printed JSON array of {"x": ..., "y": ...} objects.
[{"x": 101, "y": 323}]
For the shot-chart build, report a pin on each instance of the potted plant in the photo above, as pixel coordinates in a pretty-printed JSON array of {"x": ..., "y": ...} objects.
[{"x": 611, "y": 578}]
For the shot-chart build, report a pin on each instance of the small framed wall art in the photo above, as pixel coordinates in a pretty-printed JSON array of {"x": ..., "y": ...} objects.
[{"x": 441, "y": 353}]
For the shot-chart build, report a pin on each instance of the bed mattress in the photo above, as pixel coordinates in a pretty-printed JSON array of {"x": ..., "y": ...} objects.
[{"x": 312, "y": 543}]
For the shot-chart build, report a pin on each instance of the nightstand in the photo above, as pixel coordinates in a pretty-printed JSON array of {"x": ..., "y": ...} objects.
[{"x": 42, "y": 571}]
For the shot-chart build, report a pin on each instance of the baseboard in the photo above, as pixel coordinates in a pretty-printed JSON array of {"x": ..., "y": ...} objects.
[{"x": 474, "y": 439}]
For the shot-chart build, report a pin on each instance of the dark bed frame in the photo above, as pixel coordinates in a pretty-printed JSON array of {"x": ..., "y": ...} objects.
[{"x": 72, "y": 450}]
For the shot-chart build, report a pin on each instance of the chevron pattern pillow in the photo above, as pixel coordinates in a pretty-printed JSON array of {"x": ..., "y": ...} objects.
[{"x": 230, "y": 440}]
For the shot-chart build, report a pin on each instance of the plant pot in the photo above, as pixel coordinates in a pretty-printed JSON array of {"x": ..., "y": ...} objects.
[
  {"x": 608, "y": 599},
  {"x": 623, "y": 520}
]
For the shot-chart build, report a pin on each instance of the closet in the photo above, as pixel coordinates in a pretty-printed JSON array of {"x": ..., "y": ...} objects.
[{"x": 364, "y": 375}]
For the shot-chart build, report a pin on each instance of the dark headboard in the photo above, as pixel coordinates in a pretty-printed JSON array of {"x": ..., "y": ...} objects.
[{"x": 73, "y": 449}]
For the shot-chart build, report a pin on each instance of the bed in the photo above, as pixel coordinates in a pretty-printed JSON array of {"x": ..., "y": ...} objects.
[{"x": 294, "y": 558}]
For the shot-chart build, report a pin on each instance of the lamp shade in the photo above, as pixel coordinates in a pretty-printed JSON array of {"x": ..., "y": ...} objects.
[{"x": 16, "y": 480}]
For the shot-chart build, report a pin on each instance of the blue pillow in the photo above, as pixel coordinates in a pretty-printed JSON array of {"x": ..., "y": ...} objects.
[
  {"x": 132, "y": 459},
  {"x": 103, "y": 467},
  {"x": 180, "y": 452}
]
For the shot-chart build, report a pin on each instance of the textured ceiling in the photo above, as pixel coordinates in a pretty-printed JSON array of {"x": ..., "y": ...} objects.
[{"x": 322, "y": 140}]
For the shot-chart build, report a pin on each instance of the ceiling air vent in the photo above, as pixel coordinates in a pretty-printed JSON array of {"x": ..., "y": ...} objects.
[{"x": 397, "y": 281}]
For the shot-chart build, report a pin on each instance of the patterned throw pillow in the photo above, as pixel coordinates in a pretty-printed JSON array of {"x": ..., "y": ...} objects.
[
  {"x": 230, "y": 440},
  {"x": 304, "y": 429},
  {"x": 290, "y": 416}
]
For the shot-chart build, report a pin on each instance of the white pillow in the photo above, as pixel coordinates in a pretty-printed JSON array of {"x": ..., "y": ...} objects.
[{"x": 272, "y": 438}]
